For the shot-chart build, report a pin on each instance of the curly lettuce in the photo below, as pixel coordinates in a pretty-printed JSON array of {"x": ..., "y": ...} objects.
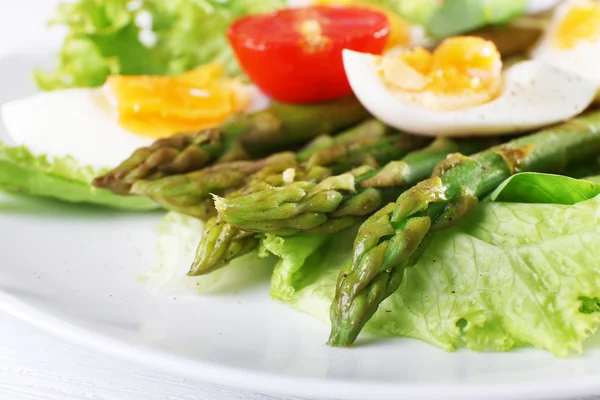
[
  {"x": 178, "y": 236},
  {"x": 510, "y": 274},
  {"x": 59, "y": 178},
  {"x": 460, "y": 16},
  {"x": 142, "y": 37},
  {"x": 447, "y": 18}
]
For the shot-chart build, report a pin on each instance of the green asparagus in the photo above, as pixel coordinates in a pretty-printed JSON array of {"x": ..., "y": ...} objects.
[
  {"x": 243, "y": 136},
  {"x": 190, "y": 193},
  {"x": 222, "y": 241},
  {"x": 392, "y": 239},
  {"x": 339, "y": 200}
]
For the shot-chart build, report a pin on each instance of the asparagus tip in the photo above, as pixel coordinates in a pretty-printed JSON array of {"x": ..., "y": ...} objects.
[
  {"x": 340, "y": 337},
  {"x": 110, "y": 182}
]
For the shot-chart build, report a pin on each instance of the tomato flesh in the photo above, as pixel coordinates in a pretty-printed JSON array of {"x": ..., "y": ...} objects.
[{"x": 295, "y": 55}]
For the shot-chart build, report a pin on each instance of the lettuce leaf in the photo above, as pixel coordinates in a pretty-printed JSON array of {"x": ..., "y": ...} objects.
[
  {"x": 297, "y": 254},
  {"x": 142, "y": 37},
  {"x": 459, "y": 16},
  {"x": 178, "y": 236},
  {"x": 59, "y": 178},
  {"x": 509, "y": 274},
  {"x": 448, "y": 18},
  {"x": 418, "y": 12}
]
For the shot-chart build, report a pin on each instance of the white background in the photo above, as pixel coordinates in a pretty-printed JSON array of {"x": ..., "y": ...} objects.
[{"x": 35, "y": 365}]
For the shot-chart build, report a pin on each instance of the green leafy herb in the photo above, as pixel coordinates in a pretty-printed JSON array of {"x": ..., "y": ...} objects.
[{"x": 531, "y": 187}]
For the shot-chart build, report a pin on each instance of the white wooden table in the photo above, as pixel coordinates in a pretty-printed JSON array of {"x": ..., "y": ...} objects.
[{"x": 37, "y": 366}]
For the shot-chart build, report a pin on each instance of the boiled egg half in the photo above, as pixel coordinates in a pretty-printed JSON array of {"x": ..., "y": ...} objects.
[
  {"x": 101, "y": 127},
  {"x": 572, "y": 40},
  {"x": 461, "y": 89}
]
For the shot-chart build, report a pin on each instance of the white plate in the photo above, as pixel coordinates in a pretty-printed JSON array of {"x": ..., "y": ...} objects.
[{"x": 70, "y": 270}]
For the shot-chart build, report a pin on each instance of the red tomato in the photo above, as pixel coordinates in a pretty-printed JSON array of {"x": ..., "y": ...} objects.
[{"x": 295, "y": 55}]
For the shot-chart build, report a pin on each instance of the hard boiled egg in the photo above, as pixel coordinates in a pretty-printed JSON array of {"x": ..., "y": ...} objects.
[
  {"x": 75, "y": 122},
  {"x": 572, "y": 40},
  {"x": 102, "y": 127},
  {"x": 461, "y": 90}
]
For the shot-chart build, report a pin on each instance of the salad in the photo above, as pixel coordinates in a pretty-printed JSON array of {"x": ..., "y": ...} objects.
[{"x": 421, "y": 169}]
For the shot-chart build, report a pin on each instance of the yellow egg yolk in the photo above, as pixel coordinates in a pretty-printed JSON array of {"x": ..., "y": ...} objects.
[
  {"x": 461, "y": 72},
  {"x": 159, "y": 106},
  {"x": 581, "y": 22},
  {"x": 400, "y": 29}
]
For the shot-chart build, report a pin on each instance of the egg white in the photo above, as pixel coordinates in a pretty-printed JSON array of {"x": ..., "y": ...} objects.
[
  {"x": 79, "y": 123},
  {"x": 534, "y": 95},
  {"x": 72, "y": 122},
  {"x": 583, "y": 59}
]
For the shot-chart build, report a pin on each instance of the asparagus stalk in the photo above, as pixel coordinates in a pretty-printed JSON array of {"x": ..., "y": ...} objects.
[
  {"x": 222, "y": 241},
  {"x": 392, "y": 239},
  {"x": 276, "y": 128},
  {"x": 190, "y": 193},
  {"x": 337, "y": 201}
]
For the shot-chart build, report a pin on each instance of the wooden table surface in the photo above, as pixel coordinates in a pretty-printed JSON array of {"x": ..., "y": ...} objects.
[{"x": 37, "y": 366}]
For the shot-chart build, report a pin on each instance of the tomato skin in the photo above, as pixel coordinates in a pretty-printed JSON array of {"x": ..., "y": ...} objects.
[{"x": 293, "y": 67}]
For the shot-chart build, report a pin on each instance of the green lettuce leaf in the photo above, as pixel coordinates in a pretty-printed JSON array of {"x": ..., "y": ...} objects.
[
  {"x": 59, "y": 178},
  {"x": 142, "y": 37},
  {"x": 509, "y": 274},
  {"x": 418, "y": 12},
  {"x": 178, "y": 236},
  {"x": 532, "y": 187},
  {"x": 459, "y": 16},
  {"x": 297, "y": 254}
]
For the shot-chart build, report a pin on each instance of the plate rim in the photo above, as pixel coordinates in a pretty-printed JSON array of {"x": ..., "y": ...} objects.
[{"x": 278, "y": 384}]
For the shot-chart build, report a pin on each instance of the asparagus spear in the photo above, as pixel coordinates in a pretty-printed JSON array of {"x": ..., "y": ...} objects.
[
  {"x": 190, "y": 193},
  {"x": 392, "y": 239},
  {"x": 338, "y": 201},
  {"x": 278, "y": 127},
  {"x": 222, "y": 241}
]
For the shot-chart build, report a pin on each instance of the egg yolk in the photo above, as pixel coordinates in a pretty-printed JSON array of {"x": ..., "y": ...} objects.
[
  {"x": 400, "y": 29},
  {"x": 159, "y": 106},
  {"x": 462, "y": 72},
  {"x": 581, "y": 22}
]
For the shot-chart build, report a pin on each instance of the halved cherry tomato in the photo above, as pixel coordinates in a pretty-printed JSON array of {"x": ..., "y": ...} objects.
[{"x": 295, "y": 55}]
